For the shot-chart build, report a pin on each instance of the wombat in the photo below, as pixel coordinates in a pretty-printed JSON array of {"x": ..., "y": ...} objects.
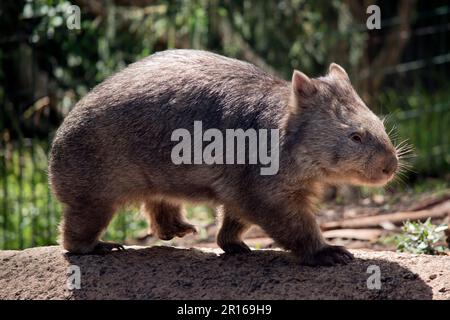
[{"x": 115, "y": 148}]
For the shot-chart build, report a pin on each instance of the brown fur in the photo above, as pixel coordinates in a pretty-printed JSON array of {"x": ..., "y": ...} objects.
[{"x": 114, "y": 148}]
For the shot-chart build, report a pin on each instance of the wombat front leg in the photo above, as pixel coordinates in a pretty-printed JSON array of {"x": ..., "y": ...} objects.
[
  {"x": 229, "y": 237},
  {"x": 299, "y": 232},
  {"x": 166, "y": 220},
  {"x": 81, "y": 228}
]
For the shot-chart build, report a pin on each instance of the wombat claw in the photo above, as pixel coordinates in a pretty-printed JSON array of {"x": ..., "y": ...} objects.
[
  {"x": 107, "y": 247},
  {"x": 329, "y": 256}
]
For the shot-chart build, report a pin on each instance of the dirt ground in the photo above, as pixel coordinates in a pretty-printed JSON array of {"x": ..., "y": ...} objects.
[{"x": 177, "y": 273}]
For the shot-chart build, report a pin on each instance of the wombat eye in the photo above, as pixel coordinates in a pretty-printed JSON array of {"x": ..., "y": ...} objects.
[{"x": 356, "y": 137}]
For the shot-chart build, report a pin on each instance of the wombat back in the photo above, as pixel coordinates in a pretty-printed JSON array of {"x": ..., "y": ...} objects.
[{"x": 117, "y": 139}]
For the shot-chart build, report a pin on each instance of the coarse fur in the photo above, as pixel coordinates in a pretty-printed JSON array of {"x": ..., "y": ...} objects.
[{"x": 115, "y": 146}]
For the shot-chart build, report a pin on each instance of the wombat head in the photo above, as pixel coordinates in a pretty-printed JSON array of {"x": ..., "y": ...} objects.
[{"x": 337, "y": 134}]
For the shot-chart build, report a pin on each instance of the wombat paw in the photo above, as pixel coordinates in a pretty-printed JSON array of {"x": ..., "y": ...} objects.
[
  {"x": 235, "y": 247},
  {"x": 106, "y": 247},
  {"x": 329, "y": 256},
  {"x": 179, "y": 229}
]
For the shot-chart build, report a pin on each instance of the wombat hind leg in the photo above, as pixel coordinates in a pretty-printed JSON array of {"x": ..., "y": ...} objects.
[
  {"x": 81, "y": 228},
  {"x": 229, "y": 237},
  {"x": 166, "y": 220}
]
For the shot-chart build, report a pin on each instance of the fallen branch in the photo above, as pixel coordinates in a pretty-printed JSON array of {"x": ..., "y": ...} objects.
[
  {"x": 438, "y": 211},
  {"x": 355, "y": 234},
  {"x": 430, "y": 202}
]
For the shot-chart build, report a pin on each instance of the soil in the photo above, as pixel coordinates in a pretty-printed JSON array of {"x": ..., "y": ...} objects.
[{"x": 178, "y": 273}]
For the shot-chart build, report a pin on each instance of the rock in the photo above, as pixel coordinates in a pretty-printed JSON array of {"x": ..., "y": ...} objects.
[{"x": 179, "y": 273}]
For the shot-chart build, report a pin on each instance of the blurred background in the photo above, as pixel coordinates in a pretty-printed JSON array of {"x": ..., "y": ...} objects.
[{"x": 400, "y": 70}]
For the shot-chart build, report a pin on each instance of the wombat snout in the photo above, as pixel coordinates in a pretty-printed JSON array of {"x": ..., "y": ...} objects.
[{"x": 390, "y": 165}]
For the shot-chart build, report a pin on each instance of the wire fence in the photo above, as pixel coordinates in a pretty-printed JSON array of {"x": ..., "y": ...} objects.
[{"x": 29, "y": 214}]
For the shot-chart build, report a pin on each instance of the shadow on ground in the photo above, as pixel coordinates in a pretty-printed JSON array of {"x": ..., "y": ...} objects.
[{"x": 173, "y": 273}]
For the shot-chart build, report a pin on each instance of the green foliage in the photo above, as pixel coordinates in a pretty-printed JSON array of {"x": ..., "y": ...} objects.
[
  {"x": 421, "y": 237},
  {"x": 294, "y": 35}
]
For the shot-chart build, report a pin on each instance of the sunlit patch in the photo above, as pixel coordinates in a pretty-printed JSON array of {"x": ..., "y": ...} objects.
[{"x": 404, "y": 152}]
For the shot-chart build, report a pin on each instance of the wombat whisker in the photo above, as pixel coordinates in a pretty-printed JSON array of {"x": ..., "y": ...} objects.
[
  {"x": 393, "y": 136},
  {"x": 404, "y": 168},
  {"x": 403, "y": 163},
  {"x": 397, "y": 181},
  {"x": 385, "y": 119},
  {"x": 403, "y": 149},
  {"x": 403, "y": 146},
  {"x": 401, "y": 175},
  {"x": 400, "y": 171},
  {"x": 404, "y": 172},
  {"x": 393, "y": 133},
  {"x": 393, "y": 129},
  {"x": 402, "y": 143},
  {"x": 406, "y": 154},
  {"x": 405, "y": 157}
]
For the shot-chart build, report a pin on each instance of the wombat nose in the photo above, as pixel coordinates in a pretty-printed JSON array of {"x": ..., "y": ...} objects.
[{"x": 390, "y": 165}]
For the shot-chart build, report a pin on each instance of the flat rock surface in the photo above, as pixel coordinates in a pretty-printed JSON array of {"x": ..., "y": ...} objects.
[{"x": 178, "y": 273}]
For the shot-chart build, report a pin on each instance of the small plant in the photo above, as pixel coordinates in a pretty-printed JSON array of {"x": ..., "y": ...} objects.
[{"x": 421, "y": 237}]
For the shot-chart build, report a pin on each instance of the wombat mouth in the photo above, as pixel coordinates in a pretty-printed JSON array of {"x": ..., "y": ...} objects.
[{"x": 362, "y": 178}]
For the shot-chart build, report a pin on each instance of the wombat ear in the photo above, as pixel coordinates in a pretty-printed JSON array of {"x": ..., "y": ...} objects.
[
  {"x": 302, "y": 84},
  {"x": 337, "y": 71}
]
